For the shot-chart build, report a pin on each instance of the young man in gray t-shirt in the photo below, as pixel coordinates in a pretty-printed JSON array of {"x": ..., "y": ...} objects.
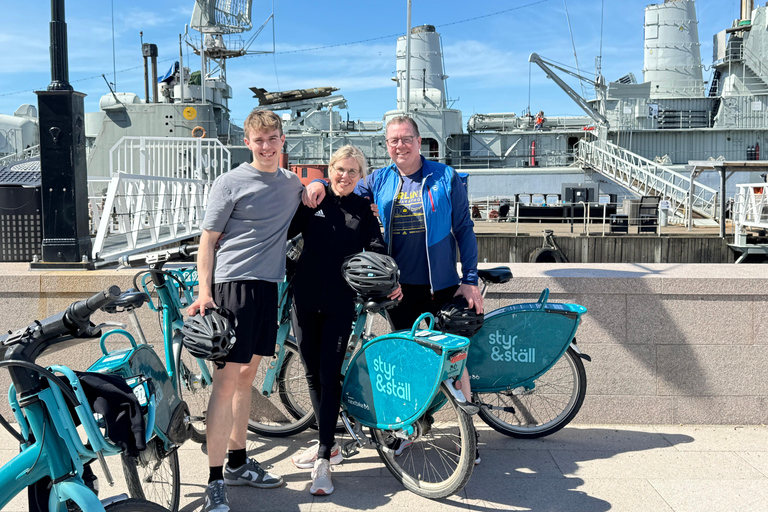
[{"x": 249, "y": 210}]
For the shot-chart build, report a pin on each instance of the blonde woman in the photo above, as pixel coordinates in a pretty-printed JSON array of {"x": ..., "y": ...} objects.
[{"x": 340, "y": 226}]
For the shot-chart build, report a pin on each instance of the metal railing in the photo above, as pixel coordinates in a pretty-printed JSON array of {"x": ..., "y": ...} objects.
[
  {"x": 736, "y": 51},
  {"x": 139, "y": 213},
  {"x": 30, "y": 152},
  {"x": 155, "y": 194},
  {"x": 187, "y": 158},
  {"x": 750, "y": 209},
  {"x": 648, "y": 178}
]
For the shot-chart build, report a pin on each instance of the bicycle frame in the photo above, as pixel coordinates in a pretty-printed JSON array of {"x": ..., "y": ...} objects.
[
  {"x": 283, "y": 329},
  {"x": 361, "y": 326},
  {"x": 168, "y": 297},
  {"x": 52, "y": 446}
]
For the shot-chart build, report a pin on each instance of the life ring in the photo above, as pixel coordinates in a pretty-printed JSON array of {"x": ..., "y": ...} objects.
[
  {"x": 546, "y": 255},
  {"x": 198, "y": 128}
]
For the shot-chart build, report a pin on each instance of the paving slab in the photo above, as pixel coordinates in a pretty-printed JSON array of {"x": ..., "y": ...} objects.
[{"x": 590, "y": 468}]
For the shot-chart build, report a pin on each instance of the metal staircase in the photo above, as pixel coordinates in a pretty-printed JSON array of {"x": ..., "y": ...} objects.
[{"x": 648, "y": 178}]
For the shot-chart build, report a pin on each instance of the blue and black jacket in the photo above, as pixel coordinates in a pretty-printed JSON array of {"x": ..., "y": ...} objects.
[{"x": 446, "y": 216}]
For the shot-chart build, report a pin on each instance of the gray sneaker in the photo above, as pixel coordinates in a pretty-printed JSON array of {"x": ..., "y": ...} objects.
[
  {"x": 251, "y": 473},
  {"x": 216, "y": 497}
]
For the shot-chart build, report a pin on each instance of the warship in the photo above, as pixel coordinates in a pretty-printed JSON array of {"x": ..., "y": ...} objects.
[{"x": 636, "y": 138}]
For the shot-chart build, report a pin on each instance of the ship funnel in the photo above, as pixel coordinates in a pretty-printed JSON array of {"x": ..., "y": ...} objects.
[
  {"x": 746, "y": 9},
  {"x": 672, "y": 60},
  {"x": 427, "y": 75}
]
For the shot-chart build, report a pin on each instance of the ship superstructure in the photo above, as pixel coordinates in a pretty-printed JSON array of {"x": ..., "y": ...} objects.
[{"x": 635, "y": 138}]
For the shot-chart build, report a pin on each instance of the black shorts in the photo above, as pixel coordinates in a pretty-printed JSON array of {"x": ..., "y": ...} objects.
[{"x": 254, "y": 305}]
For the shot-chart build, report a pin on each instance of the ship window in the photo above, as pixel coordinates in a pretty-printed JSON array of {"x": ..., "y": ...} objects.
[{"x": 304, "y": 172}]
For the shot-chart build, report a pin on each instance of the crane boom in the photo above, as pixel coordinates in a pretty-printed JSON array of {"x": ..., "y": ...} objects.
[{"x": 585, "y": 106}]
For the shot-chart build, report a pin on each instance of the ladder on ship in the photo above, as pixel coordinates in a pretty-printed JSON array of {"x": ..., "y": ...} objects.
[{"x": 649, "y": 178}]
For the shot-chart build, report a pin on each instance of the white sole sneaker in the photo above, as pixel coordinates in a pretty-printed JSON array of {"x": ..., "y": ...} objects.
[
  {"x": 321, "y": 478},
  {"x": 336, "y": 458}
]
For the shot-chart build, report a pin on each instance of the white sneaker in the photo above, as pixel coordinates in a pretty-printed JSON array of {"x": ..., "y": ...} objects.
[
  {"x": 321, "y": 478},
  {"x": 307, "y": 458}
]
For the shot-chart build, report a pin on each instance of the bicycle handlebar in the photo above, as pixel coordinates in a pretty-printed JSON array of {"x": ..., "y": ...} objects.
[
  {"x": 181, "y": 253},
  {"x": 80, "y": 312}
]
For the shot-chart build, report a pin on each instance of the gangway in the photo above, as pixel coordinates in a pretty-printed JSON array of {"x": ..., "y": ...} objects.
[
  {"x": 156, "y": 193},
  {"x": 649, "y": 178},
  {"x": 750, "y": 212}
]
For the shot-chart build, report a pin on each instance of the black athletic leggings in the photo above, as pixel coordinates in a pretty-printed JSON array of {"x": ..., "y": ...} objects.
[{"x": 322, "y": 340}]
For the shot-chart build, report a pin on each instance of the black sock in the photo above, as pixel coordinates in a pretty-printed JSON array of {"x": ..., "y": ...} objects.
[
  {"x": 215, "y": 473},
  {"x": 236, "y": 458}
]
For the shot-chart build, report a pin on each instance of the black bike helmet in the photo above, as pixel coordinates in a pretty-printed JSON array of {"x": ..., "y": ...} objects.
[
  {"x": 372, "y": 275},
  {"x": 456, "y": 318},
  {"x": 209, "y": 337}
]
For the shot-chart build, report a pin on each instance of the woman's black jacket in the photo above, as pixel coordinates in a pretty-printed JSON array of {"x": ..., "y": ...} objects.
[{"x": 338, "y": 228}]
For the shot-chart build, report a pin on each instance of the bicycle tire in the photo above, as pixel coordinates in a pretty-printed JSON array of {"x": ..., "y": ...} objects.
[
  {"x": 449, "y": 444},
  {"x": 134, "y": 505},
  {"x": 545, "y": 409},
  {"x": 154, "y": 476},
  {"x": 194, "y": 390},
  {"x": 287, "y": 411}
]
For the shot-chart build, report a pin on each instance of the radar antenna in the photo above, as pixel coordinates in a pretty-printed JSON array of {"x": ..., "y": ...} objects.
[
  {"x": 215, "y": 19},
  {"x": 222, "y": 16}
]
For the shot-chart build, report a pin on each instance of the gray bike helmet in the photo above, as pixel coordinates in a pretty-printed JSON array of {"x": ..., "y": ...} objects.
[
  {"x": 456, "y": 318},
  {"x": 208, "y": 337},
  {"x": 372, "y": 275}
]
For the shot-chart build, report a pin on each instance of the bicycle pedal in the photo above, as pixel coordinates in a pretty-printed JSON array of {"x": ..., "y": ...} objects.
[{"x": 350, "y": 449}]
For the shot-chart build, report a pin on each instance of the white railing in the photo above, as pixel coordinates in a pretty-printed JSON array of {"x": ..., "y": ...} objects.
[
  {"x": 139, "y": 213},
  {"x": 750, "y": 209},
  {"x": 30, "y": 152},
  {"x": 155, "y": 194},
  {"x": 648, "y": 178},
  {"x": 186, "y": 158}
]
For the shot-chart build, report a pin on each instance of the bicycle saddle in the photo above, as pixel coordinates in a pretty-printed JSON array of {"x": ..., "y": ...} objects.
[
  {"x": 373, "y": 306},
  {"x": 130, "y": 299},
  {"x": 496, "y": 275}
]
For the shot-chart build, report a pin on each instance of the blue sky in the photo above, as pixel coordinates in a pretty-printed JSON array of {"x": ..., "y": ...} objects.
[{"x": 485, "y": 58}]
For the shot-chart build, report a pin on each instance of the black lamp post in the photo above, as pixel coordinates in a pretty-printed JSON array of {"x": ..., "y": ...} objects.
[{"x": 66, "y": 241}]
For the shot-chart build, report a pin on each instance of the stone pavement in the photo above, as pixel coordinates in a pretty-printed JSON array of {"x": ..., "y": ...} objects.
[{"x": 589, "y": 468}]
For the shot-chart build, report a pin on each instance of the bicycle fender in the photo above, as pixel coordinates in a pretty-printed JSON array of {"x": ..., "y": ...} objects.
[
  {"x": 579, "y": 352},
  {"x": 77, "y": 491},
  {"x": 458, "y": 397}
]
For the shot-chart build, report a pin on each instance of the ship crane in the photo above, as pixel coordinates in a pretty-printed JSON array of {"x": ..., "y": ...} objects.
[{"x": 599, "y": 85}]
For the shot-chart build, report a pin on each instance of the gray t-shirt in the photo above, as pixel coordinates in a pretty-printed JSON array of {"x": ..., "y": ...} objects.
[{"x": 253, "y": 209}]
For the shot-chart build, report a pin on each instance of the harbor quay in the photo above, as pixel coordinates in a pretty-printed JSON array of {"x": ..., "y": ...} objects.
[
  {"x": 673, "y": 420},
  {"x": 669, "y": 343}
]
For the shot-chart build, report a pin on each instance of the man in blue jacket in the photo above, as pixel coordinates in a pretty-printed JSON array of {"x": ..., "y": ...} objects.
[{"x": 425, "y": 211}]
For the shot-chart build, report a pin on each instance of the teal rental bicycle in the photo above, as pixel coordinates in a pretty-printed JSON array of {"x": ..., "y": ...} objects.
[
  {"x": 403, "y": 386},
  {"x": 53, "y": 460},
  {"x": 525, "y": 368},
  {"x": 168, "y": 291},
  {"x": 155, "y": 473},
  {"x": 400, "y": 386}
]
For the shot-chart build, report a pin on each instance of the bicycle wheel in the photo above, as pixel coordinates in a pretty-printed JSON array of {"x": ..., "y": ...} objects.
[
  {"x": 288, "y": 410},
  {"x": 154, "y": 475},
  {"x": 194, "y": 390},
  {"x": 134, "y": 505},
  {"x": 543, "y": 410},
  {"x": 442, "y": 456}
]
